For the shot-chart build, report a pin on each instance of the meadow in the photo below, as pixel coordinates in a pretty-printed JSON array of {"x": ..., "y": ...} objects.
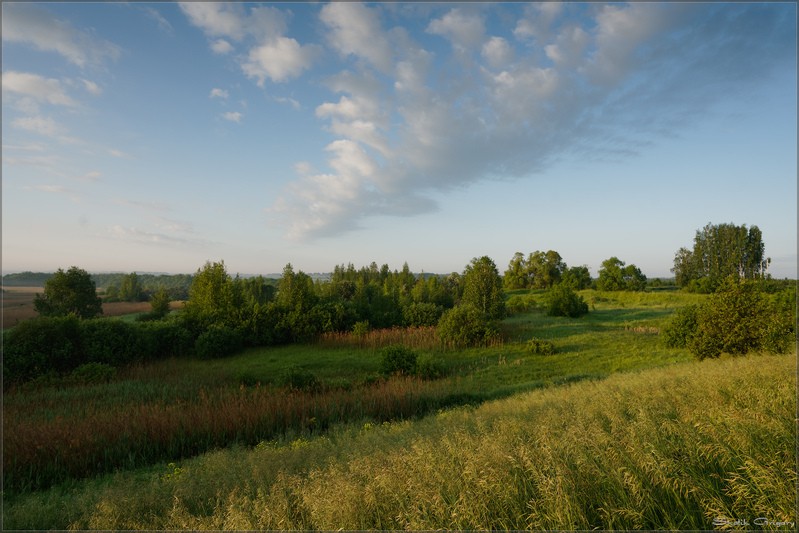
[
  {"x": 18, "y": 306},
  {"x": 611, "y": 431}
]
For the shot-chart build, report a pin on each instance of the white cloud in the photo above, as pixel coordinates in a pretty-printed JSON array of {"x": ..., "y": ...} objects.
[
  {"x": 497, "y": 52},
  {"x": 408, "y": 123},
  {"x": 355, "y": 29},
  {"x": 217, "y": 19},
  {"x": 464, "y": 29},
  {"x": 233, "y": 116},
  {"x": 41, "y": 89},
  {"x": 221, "y": 47},
  {"x": 93, "y": 175},
  {"x": 92, "y": 88},
  {"x": 218, "y": 93},
  {"x": 163, "y": 23},
  {"x": 279, "y": 60},
  {"x": 25, "y": 23},
  {"x": 42, "y": 125}
]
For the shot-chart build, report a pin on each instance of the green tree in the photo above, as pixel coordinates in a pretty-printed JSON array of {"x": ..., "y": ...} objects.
[
  {"x": 615, "y": 276},
  {"x": 577, "y": 278},
  {"x": 721, "y": 251},
  {"x": 610, "y": 275},
  {"x": 70, "y": 292},
  {"x": 159, "y": 303},
  {"x": 465, "y": 325},
  {"x": 482, "y": 287},
  {"x": 210, "y": 295},
  {"x": 545, "y": 268},
  {"x": 130, "y": 289},
  {"x": 516, "y": 276}
]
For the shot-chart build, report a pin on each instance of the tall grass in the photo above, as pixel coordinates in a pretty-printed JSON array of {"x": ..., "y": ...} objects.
[
  {"x": 692, "y": 446},
  {"x": 40, "y": 451},
  {"x": 417, "y": 338}
]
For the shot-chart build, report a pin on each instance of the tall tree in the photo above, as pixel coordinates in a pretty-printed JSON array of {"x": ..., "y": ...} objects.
[
  {"x": 516, "y": 276},
  {"x": 70, "y": 292},
  {"x": 721, "y": 251},
  {"x": 545, "y": 269},
  {"x": 482, "y": 287}
]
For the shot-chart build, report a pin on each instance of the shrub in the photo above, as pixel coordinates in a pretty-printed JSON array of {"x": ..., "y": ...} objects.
[
  {"x": 428, "y": 367},
  {"x": 397, "y": 359},
  {"x": 563, "y": 301},
  {"x": 681, "y": 328},
  {"x": 111, "y": 341},
  {"x": 422, "y": 314},
  {"x": 540, "y": 347},
  {"x": 164, "y": 339},
  {"x": 218, "y": 341},
  {"x": 464, "y": 325},
  {"x": 298, "y": 379},
  {"x": 91, "y": 373},
  {"x": 737, "y": 319},
  {"x": 41, "y": 345}
]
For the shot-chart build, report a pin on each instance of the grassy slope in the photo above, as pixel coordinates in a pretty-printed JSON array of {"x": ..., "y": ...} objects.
[{"x": 675, "y": 447}]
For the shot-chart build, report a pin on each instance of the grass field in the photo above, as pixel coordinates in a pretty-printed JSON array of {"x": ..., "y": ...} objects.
[
  {"x": 18, "y": 306},
  {"x": 612, "y": 431}
]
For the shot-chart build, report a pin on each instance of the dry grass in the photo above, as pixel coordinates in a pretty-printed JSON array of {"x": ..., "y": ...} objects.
[
  {"x": 691, "y": 447},
  {"x": 18, "y": 306}
]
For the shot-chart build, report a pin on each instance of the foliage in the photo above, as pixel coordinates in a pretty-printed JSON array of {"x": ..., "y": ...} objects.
[
  {"x": 218, "y": 341},
  {"x": 538, "y": 346},
  {"x": 421, "y": 314},
  {"x": 577, "y": 278},
  {"x": 561, "y": 300},
  {"x": 70, "y": 292},
  {"x": 682, "y": 327},
  {"x": 482, "y": 287},
  {"x": 615, "y": 276},
  {"x": 721, "y": 251},
  {"x": 111, "y": 341},
  {"x": 737, "y": 319},
  {"x": 40, "y": 345},
  {"x": 92, "y": 373},
  {"x": 159, "y": 302},
  {"x": 465, "y": 325},
  {"x": 541, "y": 270},
  {"x": 397, "y": 359},
  {"x": 296, "y": 378}
]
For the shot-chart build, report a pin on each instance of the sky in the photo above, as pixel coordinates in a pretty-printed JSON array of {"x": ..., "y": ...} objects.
[{"x": 153, "y": 137}]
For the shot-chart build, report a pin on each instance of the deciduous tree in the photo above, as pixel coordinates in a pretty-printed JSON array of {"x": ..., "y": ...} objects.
[{"x": 70, "y": 292}]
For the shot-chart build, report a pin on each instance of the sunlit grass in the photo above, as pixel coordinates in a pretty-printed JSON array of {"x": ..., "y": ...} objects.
[{"x": 668, "y": 448}]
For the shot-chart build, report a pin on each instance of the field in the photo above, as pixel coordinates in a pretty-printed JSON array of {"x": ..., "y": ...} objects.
[
  {"x": 613, "y": 431},
  {"x": 18, "y": 305}
]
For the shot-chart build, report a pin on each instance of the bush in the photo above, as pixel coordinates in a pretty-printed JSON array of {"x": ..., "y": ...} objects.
[
  {"x": 298, "y": 379},
  {"x": 428, "y": 367},
  {"x": 563, "y": 301},
  {"x": 164, "y": 339},
  {"x": 91, "y": 373},
  {"x": 540, "y": 347},
  {"x": 218, "y": 341},
  {"x": 41, "y": 345},
  {"x": 422, "y": 314},
  {"x": 464, "y": 325},
  {"x": 397, "y": 359},
  {"x": 111, "y": 341},
  {"x": 737, "y": 319},
  {"x": 680, "y": 330}
]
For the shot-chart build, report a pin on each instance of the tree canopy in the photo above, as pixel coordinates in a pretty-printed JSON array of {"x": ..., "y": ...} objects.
[
  {"x": 70, "y": 292},
  {"x": 721, "y": 251}
]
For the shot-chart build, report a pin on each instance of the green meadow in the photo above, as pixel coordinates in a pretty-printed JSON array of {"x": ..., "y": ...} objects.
[{"x": 611, "y": 431}]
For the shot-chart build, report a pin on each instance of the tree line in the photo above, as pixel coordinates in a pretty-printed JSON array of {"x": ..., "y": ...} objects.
[{"x": 225, "y": 313}]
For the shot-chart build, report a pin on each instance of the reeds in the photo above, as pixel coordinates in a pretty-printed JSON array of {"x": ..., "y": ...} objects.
[
  {"x": 417, "y": 338},
  {"x": 97, "y": 438}
]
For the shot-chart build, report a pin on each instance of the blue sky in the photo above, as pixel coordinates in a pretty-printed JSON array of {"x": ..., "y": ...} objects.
[{"x": 156, "y": 136}]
